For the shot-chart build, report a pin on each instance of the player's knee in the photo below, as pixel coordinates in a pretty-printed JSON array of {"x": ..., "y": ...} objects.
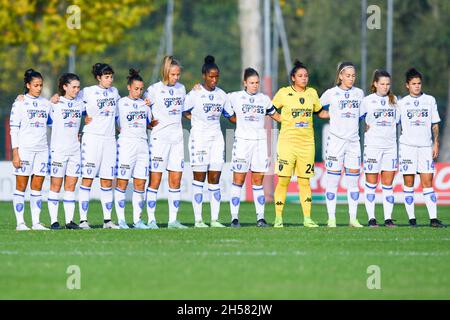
[
  {"x": 139, "y": 185},
  {"x": 36, "y": 183},
  {"x": 283, "y": 181},
  {"x": 303, "y": 182}
]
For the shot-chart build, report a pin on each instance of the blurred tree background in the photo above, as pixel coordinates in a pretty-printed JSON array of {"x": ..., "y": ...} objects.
[{"x": 127, "y": 33}]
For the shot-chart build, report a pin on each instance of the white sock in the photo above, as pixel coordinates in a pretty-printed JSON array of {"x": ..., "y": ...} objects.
[
  {"x": 430, "y": 201},
  {"x": 106, "y": 198},
  {"x": 259, "y": 199},
  {"x": 53, "y": 205},
  {"x": 388, "y": 201},
  {"x": 408, "y": 192},
  {"x": 352, "y": 193},
  {"x": 69, "y": 205},
  {"x": 174, "y": 203},
  {"x": 36, "y": 205},
  {"x": 235, "y": 200},
  {"x": 214, "y": 200},
  {"x": 83, "y": 202},
  {"x": 331, "y": 193},
  {"x": 19, "y": 205},
  {"x": 151, "y": 204},
  {"x": 369, "y": 199},
  {"x": 197, "y": 199},
  {"x": 119, "y": 204},
  {"x": 138, "y": 204}
]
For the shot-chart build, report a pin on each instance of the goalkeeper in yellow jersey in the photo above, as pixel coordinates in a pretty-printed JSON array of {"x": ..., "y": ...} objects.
[{"x": 296, "y": 147}]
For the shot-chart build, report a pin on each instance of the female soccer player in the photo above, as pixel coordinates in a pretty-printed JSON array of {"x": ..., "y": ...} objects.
[
  {"x": 419, "y": 145},
  {"x": 249, "y": 110},
  {"x": 28, "y": 122},
  {"x": 65, "y": 149},
  {"x": 98, "y": 145},
  {"x": 296, "y": 147},
  {"x": 380, "y": 145},
  {"x": 133, "y": 152},
  {"x": 166, "y": 139},
  {"x": 206, "y": 145},
  {"x": 343, "y": 149}
]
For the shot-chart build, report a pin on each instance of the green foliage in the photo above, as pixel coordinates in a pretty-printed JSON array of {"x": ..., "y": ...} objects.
[{"x": 39, "y": 34}]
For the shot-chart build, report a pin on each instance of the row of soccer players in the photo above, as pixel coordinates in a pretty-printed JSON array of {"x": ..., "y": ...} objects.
[
  {"x": 345, "y": 106},
  {"x": 204, "y": 107},
  {"x": 100, "y": 155}
]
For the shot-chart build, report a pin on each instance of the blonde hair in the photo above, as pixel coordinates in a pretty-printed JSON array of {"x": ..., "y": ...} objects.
[
  {"x": 168, "y": 62},
  {"x": 377, "y": 74},
  {"x": 341, "y": 67}
]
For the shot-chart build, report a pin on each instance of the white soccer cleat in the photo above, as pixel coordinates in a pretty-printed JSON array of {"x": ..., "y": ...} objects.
[
  {"x": 22, "y": 227},
  {"x": 85, "y": 225},
  {"x": 39, "y": 227},
  {"x": 110, "y": 225},
  {"x": 355, "y": 224}
]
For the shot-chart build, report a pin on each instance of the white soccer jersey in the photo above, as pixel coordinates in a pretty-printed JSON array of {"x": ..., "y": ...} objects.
[
  {"x": 206, "y": 108},
  {"x": 250, "y": 111},
  {"x": 66, "y": 116},
  {"x": 343, "y": 106},
  {"x": 167, "y": 105},
  {"x": 101, "y": 105},
  {"x": 382, "y": 118},
  {"x": 417, "y": 115},
  {"x": 28, "y": 122},
  {"x": 134, "y": 115}
]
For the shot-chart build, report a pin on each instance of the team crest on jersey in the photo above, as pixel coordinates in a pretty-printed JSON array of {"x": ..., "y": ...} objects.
[
  {"x": 416, "y": 103},
  {"x": 302, "y": 100},
  {"x": 347, "y": 95},
  {"x": 171, "y": 92},
  {"x": 383, "y": 102},
  {"x": 135, "y": 105},
  {"x": 252, "y": 100},
  {"x": 105, "y": 93},
  {"x": 211, "y": 97},
  {"x": 35, "y": 104},
  {"x": 70, "y": 104}
]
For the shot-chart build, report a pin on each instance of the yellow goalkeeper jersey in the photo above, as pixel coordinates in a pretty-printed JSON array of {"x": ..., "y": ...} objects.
[{"x": 297, "y": 110}]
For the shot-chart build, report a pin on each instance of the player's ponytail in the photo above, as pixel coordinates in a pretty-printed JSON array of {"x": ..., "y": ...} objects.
[
  {"x": 100, "y": 69},
  {"x": 134, "y": 76},
  {"x": 341, "y": 67},
  {"x": 376, "y": 78},
  {"x": 209, "y": 64},
  {"x": 28, "y": 77},
  {"x": 168, "y": 62},
  {"x": 250, "y": 72},
  {"x": 65, "y": 78},
  {"x": 297, "y": 65}
]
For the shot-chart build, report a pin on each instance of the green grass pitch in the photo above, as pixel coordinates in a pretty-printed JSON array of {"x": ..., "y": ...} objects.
[{"x": 246, "y": 263}]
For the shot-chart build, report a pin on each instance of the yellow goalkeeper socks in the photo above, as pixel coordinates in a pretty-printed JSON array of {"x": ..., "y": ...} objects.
[
  {"x": 305, "y": 196},
  {"x": 280, "y": 194}
]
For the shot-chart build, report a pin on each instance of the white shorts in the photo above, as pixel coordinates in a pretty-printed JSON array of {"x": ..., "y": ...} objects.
[
  {"x": 133, "y": 159},
  {"x": 249, "y": 155},
  {"x": 33, "y": 163},
  {"x": 166, "y": 156},
  {"x": 98, "y": 156},
  {"x": 377, "y": 160},
  {"x": 414, "y": 160},
  {"x": 341, "y": 152},
  {"x": 206, "y": 155},
  {"x": 65, "y": 165}
]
